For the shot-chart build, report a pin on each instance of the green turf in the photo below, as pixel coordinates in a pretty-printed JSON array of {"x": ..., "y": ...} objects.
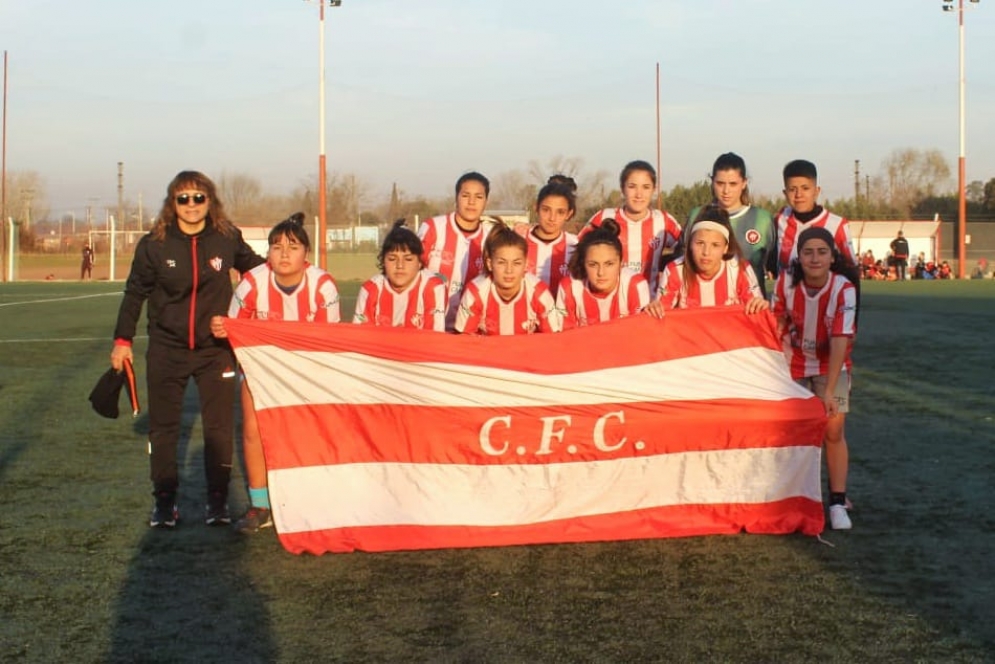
[
  {"x": 82, "y": 578},
  {"x": 344, "y": 266}
]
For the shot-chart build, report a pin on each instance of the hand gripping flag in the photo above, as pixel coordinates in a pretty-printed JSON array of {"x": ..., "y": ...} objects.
[{"x": 384, "y": 439}]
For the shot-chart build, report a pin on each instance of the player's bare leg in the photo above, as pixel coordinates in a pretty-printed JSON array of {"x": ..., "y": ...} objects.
[{"x": 258, "y": 515}]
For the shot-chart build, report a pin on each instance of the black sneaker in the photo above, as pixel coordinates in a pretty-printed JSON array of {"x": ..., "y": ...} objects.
[
  {"x": 164, "y": 513},
  {"x": 216, "y": 512},
  {"x": 254, "y": 520}
]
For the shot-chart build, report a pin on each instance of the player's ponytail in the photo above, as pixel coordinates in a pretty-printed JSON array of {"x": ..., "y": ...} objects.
[
  {"x": 606, "y": 233},
  {"x": 400, "y": 238},
  {"x": 559, "y": 188},
  {"x": 292, "y": 227},
  {"x": 501, "y": 236}
]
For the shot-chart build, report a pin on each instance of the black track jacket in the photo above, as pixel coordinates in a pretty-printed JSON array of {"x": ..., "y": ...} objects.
[{"x": 186, "y": 280}]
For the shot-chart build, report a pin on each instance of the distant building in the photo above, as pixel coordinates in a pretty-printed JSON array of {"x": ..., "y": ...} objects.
[{"x": 923, "y": 237}]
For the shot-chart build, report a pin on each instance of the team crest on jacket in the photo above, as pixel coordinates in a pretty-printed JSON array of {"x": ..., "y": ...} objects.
[
  {"x": 217, "y": 263},
  {"x": 753, "y": 236}
]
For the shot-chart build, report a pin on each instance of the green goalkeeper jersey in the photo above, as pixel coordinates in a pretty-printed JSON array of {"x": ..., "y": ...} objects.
[{"x": 755, "y": 233}]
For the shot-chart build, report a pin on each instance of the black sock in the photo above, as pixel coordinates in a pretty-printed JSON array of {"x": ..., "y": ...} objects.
[{"x": 837, "y": 498}]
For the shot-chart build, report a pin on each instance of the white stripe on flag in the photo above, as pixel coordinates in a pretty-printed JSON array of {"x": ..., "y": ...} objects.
[
  {"x": 351, "y": 378},
  {"x": 382, "y": 494}
]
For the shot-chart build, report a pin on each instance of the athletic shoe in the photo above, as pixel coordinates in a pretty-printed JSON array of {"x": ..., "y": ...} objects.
[
  {"x": 838, "y": 518},
  {"x": 216, "y": 512},
  {"x": 164, "y": 513},
  {"x": 254, "y": 520}
]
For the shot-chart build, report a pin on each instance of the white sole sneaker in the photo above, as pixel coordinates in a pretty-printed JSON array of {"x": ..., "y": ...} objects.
[{"x": 838, "y": 518}]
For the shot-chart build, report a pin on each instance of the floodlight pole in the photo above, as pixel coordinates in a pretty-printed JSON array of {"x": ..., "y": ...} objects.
[
  {"x": 961, "y": 167},
  {"x": 322, "y": 172},
  {"x": 3, "y": 166},
  {"x": 659, "y": 172}
]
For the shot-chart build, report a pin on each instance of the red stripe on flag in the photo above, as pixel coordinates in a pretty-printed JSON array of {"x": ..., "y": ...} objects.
[
  {"x": 778, "y": 517},
  {"x": 630, "y": 341},
  {"x": 337, "y": 434}
]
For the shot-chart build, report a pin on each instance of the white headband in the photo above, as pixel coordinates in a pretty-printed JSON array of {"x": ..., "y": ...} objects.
[{"x": 710, "y": 226}]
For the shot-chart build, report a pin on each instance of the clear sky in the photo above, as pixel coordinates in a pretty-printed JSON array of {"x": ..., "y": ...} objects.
[{"x": 419, "y": 92}]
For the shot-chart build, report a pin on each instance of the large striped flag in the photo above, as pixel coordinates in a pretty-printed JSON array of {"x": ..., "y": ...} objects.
[{"x": 383, "y": 439}]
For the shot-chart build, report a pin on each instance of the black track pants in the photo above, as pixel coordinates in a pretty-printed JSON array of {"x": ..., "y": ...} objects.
[{"x": 169, "y": 370}]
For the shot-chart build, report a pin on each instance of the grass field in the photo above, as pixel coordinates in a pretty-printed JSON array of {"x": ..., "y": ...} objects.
[
  {"x": 83, "y": 579},
  {"x": 65, "y": 267}
]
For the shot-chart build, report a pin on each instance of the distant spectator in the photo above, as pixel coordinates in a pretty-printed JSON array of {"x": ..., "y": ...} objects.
[
  {"x": 980, "y": 271},
  {"x": 944, "y": 272},
  {"x": 918, "y": 265},
  {"x": 900, "y": 253},
  {"x": 866, "y": 264},
  {"x": 86, "y": 267}
]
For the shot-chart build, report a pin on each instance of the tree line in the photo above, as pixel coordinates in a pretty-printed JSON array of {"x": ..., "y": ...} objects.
[{"x": 911, "y": 184}]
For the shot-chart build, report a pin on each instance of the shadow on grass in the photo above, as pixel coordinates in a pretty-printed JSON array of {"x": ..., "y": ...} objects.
[
  {"x": 10, "y": 454},
  {"x": 921, "y": 470},
  {"x": 186, "y": 597}
]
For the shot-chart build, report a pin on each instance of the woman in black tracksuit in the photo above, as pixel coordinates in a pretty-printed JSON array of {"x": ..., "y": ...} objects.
[{"x": 182, "y": 268}]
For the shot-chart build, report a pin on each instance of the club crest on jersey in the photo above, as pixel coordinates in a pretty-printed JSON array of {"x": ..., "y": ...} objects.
[
  {"x": 217, "y": 263},
  {"x": 753, "y": 236}
]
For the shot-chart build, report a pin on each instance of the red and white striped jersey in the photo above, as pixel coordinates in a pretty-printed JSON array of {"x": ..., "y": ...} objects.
[
  {"x": 482, "y": 311},
  {"x": 549, "y": 260},
  {"x": 735, "y": 283},
  {"x": 421, "y": 305},
  {"x": 642, "y": 241},
  {"x": 788, "y": 228},
  {"x": 579, "y": 306},
  {"x": 316, "y": 298},
  {"x": 454, "y": 254},
  {"x": 813, "y": 319}
]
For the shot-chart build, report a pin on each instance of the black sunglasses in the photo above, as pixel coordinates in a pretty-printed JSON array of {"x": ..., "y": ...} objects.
[{"x": 185, "y": 199}]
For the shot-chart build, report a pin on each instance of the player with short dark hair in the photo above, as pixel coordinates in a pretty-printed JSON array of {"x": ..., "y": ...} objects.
[
  {"x": 284, "y": 288},
  {"x": 404, "y": 294}
]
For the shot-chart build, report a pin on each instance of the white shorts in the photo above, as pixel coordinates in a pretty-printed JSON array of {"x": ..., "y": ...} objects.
[{"x": 817, "y": 384}]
